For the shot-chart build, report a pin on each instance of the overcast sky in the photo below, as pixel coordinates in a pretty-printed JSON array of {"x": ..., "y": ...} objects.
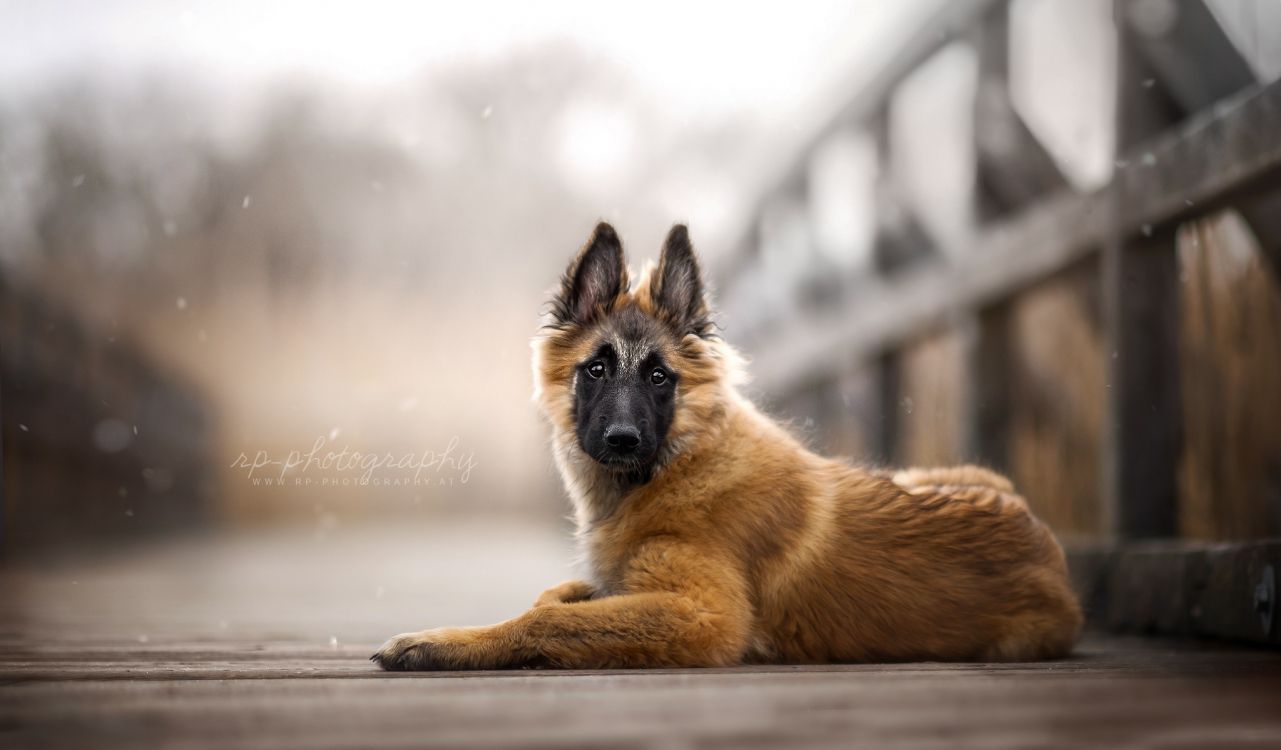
[{"x": 757, "y": 58}]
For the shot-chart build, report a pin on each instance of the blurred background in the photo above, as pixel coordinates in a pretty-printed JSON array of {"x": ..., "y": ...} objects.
[
  {"x": 231, "y": 229},
  {"x": 237, "y": 238}
]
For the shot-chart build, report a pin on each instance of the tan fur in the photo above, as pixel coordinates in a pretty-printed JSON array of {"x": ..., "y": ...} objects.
[{"x": 746, "y": 547}]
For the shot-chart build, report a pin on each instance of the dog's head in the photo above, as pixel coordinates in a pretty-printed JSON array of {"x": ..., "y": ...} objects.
[{"x": 632, "y": 374}]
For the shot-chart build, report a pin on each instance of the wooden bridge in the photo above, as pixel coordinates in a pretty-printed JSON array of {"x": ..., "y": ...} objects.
[{"x": 1095, "y": 312}]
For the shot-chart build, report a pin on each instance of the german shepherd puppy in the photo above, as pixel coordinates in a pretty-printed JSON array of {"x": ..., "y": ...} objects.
[{"x": 715, "y": 538}]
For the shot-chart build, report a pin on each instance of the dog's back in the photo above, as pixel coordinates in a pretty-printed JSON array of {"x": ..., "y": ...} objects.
[{"x": 942, "y": 563}]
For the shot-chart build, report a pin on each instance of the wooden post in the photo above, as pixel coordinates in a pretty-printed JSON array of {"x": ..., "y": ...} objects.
[
  {"x": 1144, "y": 429},
  {"x": 1142, "y": 433},
  {"x": 1263, "y": 214},
  {"x": 888, "y": 375},
  {"x": 1187, "y": 50},
  {"x": 990, "y": 387},
  {"x": 1013, "y": 168},
  {"x": 5, "y": 313}
]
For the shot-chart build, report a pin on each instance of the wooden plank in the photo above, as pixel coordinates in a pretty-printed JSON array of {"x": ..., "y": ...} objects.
[
  {"x": 1113, "y": 692},
  {"x": 1213, "y": 160},
  {"x": 1182, "y": 589},
  {"x": 1210, "y": 161},
  {"x": 246, "y": 660}
]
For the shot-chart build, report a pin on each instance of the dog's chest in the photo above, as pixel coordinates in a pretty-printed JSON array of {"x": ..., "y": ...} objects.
[{"x": 603, "y": 564}]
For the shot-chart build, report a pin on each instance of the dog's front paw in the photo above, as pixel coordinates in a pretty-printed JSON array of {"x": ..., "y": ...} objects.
[
  {"x": 438, "y": 649},
  {"x": 410, "y": 651},
  {"x": 566, "y": 593}
]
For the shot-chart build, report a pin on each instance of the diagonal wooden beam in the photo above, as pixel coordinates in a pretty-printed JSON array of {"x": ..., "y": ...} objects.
[{"x": 1210, "y": 161}]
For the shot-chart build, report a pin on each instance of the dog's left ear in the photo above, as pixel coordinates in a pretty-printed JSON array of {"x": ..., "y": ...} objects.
[
  {"x": 594, "y": 279},
  {"x": 676, "y": 288}
]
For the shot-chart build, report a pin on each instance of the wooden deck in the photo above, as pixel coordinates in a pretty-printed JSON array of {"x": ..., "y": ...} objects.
[{"x": 261, "y": 641}]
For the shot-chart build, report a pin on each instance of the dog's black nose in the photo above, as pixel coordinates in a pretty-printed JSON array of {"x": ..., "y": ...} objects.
[{"x": 622, "y": 438}]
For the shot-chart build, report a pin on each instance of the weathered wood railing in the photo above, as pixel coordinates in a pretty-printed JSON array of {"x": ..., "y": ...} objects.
[{"x": 1211, "y": 141}]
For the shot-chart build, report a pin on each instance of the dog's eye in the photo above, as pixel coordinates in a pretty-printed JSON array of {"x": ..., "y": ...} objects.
[
  {"x": 596, "y": 369},
  {"x": 658, "y": 377}
]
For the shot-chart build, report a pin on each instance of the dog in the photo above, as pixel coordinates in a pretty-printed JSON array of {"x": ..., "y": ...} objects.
[{"x": 715, "y": 538}]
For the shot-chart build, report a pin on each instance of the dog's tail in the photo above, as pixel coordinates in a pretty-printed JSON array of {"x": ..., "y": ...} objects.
[
  {"x": 983, "y": 487},
  {"x": 967, "y": 475}
]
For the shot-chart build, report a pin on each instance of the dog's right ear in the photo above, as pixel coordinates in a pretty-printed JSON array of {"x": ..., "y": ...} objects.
[{"x": 594, "y": 279}]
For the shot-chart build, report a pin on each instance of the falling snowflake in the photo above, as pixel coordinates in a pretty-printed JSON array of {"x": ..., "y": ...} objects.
[
  {"x": 112, "y": 435},
  {"x": 181, "y": 302}
]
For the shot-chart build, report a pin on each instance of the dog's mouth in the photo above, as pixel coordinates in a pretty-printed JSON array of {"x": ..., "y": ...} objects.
[
  {"x": 622, "y": 463},
  {"x": 631, "y": 466},
  {"x": 629, "y": 470}
]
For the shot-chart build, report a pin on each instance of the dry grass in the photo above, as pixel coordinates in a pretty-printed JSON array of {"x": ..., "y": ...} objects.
[
  {"x": 1230, "y": 361},
  {"x": 1057, "y": 402},
  {"x": 931, "y": 407}
]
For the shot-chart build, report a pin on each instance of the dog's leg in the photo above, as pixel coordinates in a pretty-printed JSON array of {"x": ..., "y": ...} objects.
[
  {"x": 566, "y": 593},
  {"x": 634, "y": 630},
  {"x": 682, "y": 611}
]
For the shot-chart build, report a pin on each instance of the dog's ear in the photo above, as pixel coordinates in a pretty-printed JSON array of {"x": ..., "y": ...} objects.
[
  {"x": 676, "y": 288},
  {"x": 594, "y": 279}
]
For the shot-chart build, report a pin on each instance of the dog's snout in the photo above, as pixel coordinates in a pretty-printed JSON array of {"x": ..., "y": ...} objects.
[{"x": 622, "y": 438}]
